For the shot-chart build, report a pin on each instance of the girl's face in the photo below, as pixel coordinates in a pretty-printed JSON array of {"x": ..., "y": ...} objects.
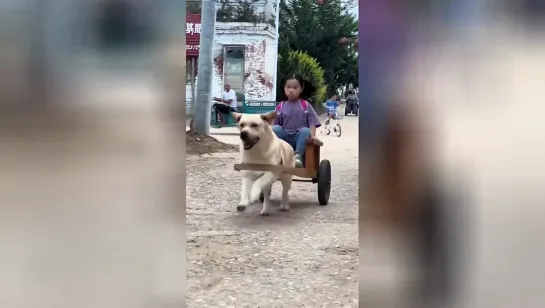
[
  {"x": 292, "y": 89},
  {"x": 334, "y": 98}
]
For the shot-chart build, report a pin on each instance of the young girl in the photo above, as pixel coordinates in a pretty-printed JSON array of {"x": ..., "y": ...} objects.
[{"x": 296, "y": 121}]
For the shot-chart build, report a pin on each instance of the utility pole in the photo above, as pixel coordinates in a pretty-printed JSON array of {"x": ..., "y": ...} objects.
[{"x": 206, "y": 63}]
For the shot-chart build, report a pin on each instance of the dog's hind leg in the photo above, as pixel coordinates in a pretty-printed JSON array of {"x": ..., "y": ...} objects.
[
  {"x": 245, "y": 188},
  {"x": 286, "y": 186}
]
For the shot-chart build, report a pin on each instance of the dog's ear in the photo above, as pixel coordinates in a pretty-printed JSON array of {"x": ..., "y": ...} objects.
[
  {"x": 269, "y": 117},
  {"x": 236, "y": 116}
]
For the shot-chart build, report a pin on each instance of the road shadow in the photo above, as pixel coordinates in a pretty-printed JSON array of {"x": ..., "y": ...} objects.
[
  {"x": 250, "y": 218},
  {"x": 224, "y": 134}
]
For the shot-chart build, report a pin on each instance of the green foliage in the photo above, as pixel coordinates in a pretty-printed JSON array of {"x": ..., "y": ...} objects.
[
  {"x": 348, "y": 73},
  {"x": 316, "y": 29},
  {"x": 241, "y": 11},
  {"x": 193, "y": 7},
  {"x": 298, "y": 62}
]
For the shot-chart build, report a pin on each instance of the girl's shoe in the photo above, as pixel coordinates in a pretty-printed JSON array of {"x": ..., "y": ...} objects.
[{"x": 298, "y": 161}]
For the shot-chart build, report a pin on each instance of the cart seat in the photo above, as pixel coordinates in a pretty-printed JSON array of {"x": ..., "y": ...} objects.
[{"x": 312, "y": 154}]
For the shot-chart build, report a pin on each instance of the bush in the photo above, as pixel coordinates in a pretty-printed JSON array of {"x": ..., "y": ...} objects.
[{"x": 298, "y": 62}]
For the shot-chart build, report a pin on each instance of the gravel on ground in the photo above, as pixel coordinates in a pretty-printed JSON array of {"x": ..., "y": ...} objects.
[{"x": 307, "y": 257}]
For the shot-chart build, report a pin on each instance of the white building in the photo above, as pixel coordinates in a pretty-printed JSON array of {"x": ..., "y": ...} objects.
[{"x": 245, "y": 56}]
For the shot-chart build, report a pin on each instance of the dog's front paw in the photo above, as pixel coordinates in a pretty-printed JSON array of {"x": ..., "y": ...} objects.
[
  {"x": 242, "y": 204},
  {"x": 284, "y": 207},
  {"x": 264, "y": 212}
]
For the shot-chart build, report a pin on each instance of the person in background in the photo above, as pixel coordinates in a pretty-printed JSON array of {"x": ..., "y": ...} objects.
[
  {"x": 226, "y": 104},
  {"x": 331, "y": 105},
  {"x": 351, "y": 101}
]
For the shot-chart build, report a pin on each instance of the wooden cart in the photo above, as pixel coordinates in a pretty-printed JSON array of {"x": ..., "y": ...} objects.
[{"x": 315, "y": 170}]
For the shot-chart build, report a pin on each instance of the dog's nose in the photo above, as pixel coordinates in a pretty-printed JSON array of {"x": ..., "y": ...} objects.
[{"x": 244, "y": 135}]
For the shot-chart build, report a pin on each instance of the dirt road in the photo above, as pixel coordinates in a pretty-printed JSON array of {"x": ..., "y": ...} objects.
[{"x": 305, "y": 258}]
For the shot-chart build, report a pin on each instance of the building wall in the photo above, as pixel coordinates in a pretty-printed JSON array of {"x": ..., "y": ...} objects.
[
  {"x": 261, "y": 52},
  {"x": 260, "y": 58}
]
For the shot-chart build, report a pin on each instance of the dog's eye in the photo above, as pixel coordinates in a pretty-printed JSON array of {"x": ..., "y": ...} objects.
[
  {"x": 241, "y": 125},
  {"x": 254, "y": 125}
]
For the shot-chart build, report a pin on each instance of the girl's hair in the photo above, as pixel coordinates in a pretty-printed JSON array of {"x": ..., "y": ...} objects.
[{"x": 307, "y": 89}]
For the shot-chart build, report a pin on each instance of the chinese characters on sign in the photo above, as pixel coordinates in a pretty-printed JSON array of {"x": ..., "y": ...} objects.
[
  {"x": 192, "y": 34},
  {"x": 192, "y": 28}
]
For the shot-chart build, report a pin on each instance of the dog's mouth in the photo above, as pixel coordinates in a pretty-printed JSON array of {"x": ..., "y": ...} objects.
[{"x": 249, "y": 144}]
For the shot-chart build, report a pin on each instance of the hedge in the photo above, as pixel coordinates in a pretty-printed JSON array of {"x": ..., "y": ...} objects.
[{"x": 298, "y": 62}]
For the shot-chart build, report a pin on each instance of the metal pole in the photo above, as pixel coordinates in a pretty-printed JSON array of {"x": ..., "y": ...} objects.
[
  {"x": 206, "y": 62},
  {"x": 193, "y": 71}
]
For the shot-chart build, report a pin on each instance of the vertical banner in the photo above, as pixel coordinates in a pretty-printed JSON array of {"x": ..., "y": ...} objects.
[{"x": 192, "y": 35}]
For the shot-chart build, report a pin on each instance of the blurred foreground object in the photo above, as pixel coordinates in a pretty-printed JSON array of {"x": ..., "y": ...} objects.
[
  {"x": 453, "y": 168},
  {"x": 92, "y": 158}
]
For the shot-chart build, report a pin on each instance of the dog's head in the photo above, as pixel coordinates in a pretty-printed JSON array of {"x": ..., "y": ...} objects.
[{"x": 254, "y": 127}]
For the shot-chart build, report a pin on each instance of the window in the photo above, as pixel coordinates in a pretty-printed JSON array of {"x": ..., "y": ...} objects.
[
  {"x": 236, "y": 52},
  {"x": 233, "y": 67},
  {"x": 234, "y": 60}
]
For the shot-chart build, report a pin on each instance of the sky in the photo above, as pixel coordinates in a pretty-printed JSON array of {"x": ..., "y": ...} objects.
[{"x": 355, "y": 10}]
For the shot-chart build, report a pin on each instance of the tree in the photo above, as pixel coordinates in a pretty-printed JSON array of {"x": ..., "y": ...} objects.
[
  {"x": 348, "y": 75},
  {"x": 242, "y": 11},
  {"x": 193, "y": 7},
  {"x": 316, "y": 28},
  {"x": 298, "y": 62}
]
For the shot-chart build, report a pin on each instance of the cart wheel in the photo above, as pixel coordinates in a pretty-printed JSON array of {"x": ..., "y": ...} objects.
[
  {"x": 356, "y": 112},
  {"x": 262, "y": 196},
  {"x": 327, "y": 130},
  {"x": 338, "y": 130},
  {"x": 324, "y": 181}
]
